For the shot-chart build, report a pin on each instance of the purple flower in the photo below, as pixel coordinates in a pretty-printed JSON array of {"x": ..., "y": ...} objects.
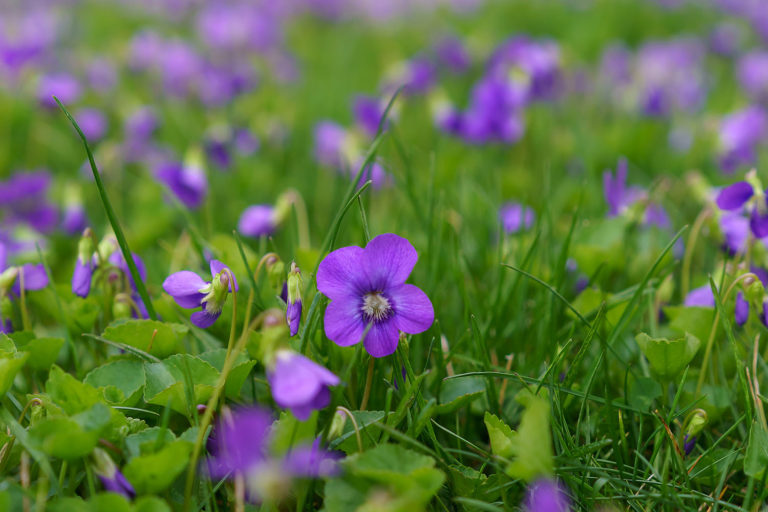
[
  {"x": 81, "y": 278},
  {"x": 741, "y": 311},
  {"x": 734, "y": 196},
  {"x": 23, "y": 198},
  {"x": 311, "y": 461},
  {"x": 92, "y": 122},
  {"x": 537, "y": 61},
  {"x": 258, "y": 220},
  {"x": 62, "y": 85},
  {"x": 33, "y": 277},
  {"x": 369, "y": 298},
  {"x": 700, "y": 297},
  {"x": 752, "y": 71},
  {"x": 117, "y": 483},
  {"x": 299, "y": 384},
  {"x": 615, "y": 190},
  {"x": 726, "y": 39},
  {"x": 217, "y": 152},
  {"x": 368, "y": 111},
  {"x": 187, "y": 182},
  {"x": 689, "y": 444},
  {"x": 190, "y": 291},
  {"x": 293, "y": 299},
  {"x": 102, "y": 75},
  {"x": 419, "y": 76},
  {"x": 246, "y": 143},
  {"x": 330, "y": 138},
  {"x": 546, "y": 495},
  {"x": 239, "y": 442},
  {"x": 739, "y": 133},
  {"x": 515, "y": 217},
  {"x": 117, "y": 259},
  {"x": 373, "y": 171},
  {"x": 735, "y": 229},
  {"x": 141, "y": 124},
  {"x": 452, "y": 55},
  {"x": 74, "y": 219}
]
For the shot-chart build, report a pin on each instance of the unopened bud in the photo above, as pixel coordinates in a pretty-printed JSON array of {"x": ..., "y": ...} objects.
[{"x": 337, "y": 425}]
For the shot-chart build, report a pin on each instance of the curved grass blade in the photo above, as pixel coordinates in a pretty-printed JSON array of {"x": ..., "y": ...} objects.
[{"x": 122, "y": 242}]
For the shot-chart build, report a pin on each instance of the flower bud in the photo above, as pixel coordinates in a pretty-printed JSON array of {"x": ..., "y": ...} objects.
[
  {"x": 337, "y": 425},
  {"x": 293, "y": 311},
  {"x": 755, "y": 292},
  {"x": 283, "y": 207},
  {"x": 7, "y": 278},
  {"x": 111, "y": 477},
  {"x": 276, "y": 273}
]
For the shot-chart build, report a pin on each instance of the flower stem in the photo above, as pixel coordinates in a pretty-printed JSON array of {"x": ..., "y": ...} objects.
[
  {"x": 695, "y": 230},
  {"x": 302, "y": 219},
  {"x": 711, "y": 340},
  {"x": 354, "y": 425},
  {"x": 23, "y": 302}
]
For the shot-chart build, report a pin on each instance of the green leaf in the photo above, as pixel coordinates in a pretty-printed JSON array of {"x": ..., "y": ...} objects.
[
  {"x": 693, "y": 319},
  {"x": 140, "y": 333},
  {"x": 642, "y": 392},
  {"x": 43, "y": 351},
  {"x": 756, "y": 459},
  {"x": 668, "y": 357},
  {"x": 533, "y": 456},
  {"x": 70, "y": 438},
  {"x": 144, "y": 442},
  {"x": 502, "y": 437},
  {"x": 388, "y": 477},
  {"x": 347, "y": 441},
  {"x": 109, "y": 502},
  {"x": 69, "y": 393},
  {"x": 150, "y": 504},
  {"x": 237, "y": 374},
  {"x": 154, "y": 472},
  {"x": 10, "y": 364},
  {"x": 288, "y": 431},
  {"x": 120, "y": 381},
  {"x": 167, "y": 380},
  {"x": 455, "y": 393}
]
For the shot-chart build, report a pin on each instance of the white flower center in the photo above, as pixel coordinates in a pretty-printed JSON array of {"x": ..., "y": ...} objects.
[{"x": 376, "y": 307}]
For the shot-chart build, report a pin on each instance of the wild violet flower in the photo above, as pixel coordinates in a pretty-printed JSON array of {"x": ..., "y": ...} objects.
[
  {"x": 615, "y": 190},
  {"x": 752, "y": 71},
  {"x": 258, "y": 220},
  {"x": 62, "y": 85},
  {"x": 190, "y": 291},
  {"x": 293, "y": 299},
  {"x": 736, "y": 196},
  {"x": 700, "y": 297},
  {"x": 515, "y": 217},
  {"x": 741, "y": 309},
  {"x": 546, "y": 495},
  {"x": 299, "y": 384},
  {"x": 111, "y": 477},
  {"x": 368, "y": 112},
  {"x": 240, "y": 447},
  {"x": 23, "y": 199},
  {"x": 186, "y": 180},
  {"x": 92, "y": 122},
  {"x": 84, "y": 266},
  {"x": 739, "y": 134},
  {"x": 370, "y": 301}
]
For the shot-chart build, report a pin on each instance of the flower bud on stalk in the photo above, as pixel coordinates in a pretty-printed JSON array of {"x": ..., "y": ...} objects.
[
  {"x": 293, "y": 311},
  {"x": 696, "y": 422},
  {"x": 111, "y": 477}
]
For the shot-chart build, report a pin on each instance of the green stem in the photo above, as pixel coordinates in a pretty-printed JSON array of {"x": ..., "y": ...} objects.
[
  {"x": 711, "y": 340},
  {"x": 122, "y": 242},
  {"x": 695, "y": 230}
]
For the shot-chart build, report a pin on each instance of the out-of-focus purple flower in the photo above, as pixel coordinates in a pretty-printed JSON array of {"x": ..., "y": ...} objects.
[
  {"x": 74, "y": 219},
  {"x": 32, "y": 277},
  {"x": 726, "y": 39},
  {"x": 62, "y": 85},
  {"x": 752, "y": 71},
  {"x": 538, "y": 63},
  {"x": 700, "y": 297},
  {"x": 180, "y": 67},
  {"x": 740, "y": 132},
  {"x": 257, "y": 220},
  {"x": 329, "y": 143},
  {"x": 246, "y": 143},
  {"x": 734, "y": 196},
  {"x": 515, "y": 217},
  {"x": 187, "y": 182},
  {"x": 546, "y": 495},
  {"x": 190, "y": 291},
  {"x": 299, "y": 384},
  {"x": 81, "y": 278},
  {"x": 656, "y": 215},
  {"x": 117, "y": 259},
  {"x": 615, "y": 190},
  {"x": 92, "y": 122},
  {"x": 238, "y": 26},
  {"x": 670, "y": 76},
  {"x": 735, "y": 230},
  {"x": 452, "y": 55},
  {"x": 741, "y": 311},
  {"x": 102, "y": 75},
  {"x": 141, "y": 124},
  {"x": 240, "y": 442},
  {"x": 374, "y": 172},
  {"x": 419, "y": 75},
  {"x": 23, "y": 199},
  {"x": 311, "y": 461},
  {"x": 217, "y": 152},
  {"x": 369, "y": 298},
  {"x": 368, "y": 111},
  {"x": 494, "y": 112},
  {"x": 616, "y": 65}
]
